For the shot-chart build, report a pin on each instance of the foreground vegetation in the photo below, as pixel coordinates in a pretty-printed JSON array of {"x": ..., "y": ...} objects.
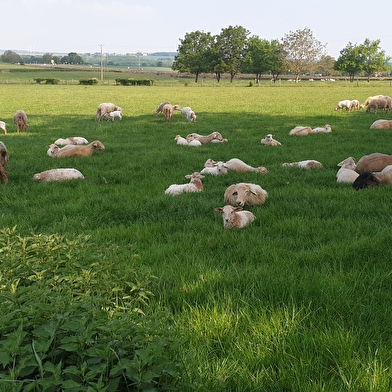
[{"x": 109, "y": 284}]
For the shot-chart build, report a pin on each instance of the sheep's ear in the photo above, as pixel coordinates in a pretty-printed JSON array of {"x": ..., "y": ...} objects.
[
  {"x": 218, "y": 209},
  {"x": 238, "y": 209},
  {"x": 188, "y": 176}
]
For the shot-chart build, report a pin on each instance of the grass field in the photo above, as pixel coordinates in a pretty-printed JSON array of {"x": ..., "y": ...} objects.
[{"x": 297, "y": 301}]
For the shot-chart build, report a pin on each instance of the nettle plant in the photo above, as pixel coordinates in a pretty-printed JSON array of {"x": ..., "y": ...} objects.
[{"x": 73, "y": 318}]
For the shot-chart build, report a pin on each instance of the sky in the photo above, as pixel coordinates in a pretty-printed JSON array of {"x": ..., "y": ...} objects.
[{"x": 130, "y": 26}]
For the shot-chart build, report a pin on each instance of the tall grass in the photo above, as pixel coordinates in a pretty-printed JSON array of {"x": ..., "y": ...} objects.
[{"x": 297, "y": 301}]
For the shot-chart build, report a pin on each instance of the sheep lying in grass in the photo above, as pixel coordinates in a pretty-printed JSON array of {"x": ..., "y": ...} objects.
[
  {"x": 4, "y": 159},
  {"x": 216, "y": 169},
  {"x": 214, "y": 136},
  {"x": 373, "y": 162},
  {"x": 20, "y": 120},
  {"x": 307, "y": 164},
  {"x": 189, "y": 113},
  {"x": 71, "y": 150},
  {"x": 347, "y": 172},
  {"x": 326, "y": 129},
  {"x": 235, "y": 217},
  {"x": 3, "y": 127},
  {"x": 59, "y": 175},
  {"x": 237, "y": 165},
  {"x": 270, "y": 141},
  {"x": 381, "y": 124},
  {"x": 368, "y": 179},
  {"x": 300, "y": 130},
  {"x": 194, "y": 185},
  {"x": 344, "y": 104},
  {"x": 183, "y": 142},
  {"x": 242, "y": 194},
  {"x": 105, "y": 108},
  {"x": 71, "y": 140}
]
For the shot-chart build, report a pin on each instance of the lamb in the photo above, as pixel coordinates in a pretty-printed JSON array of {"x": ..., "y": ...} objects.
[
  {"x": 326, "y": 129},
  {"x": 160, "y": 108},
  {"x": 347, "y": 172},
  {"x": 354, "y": 104},
  {"x": 216, "y": 169},
  {"x": 345, "y": 104},
  {"x": 242, "y": 194},
  {"x": 74, "y": 150},
  {"x": 168, "y": 112},
  {"x": 373, "y": 162},
  {"x": 300, "y": 131},
  {"x": 104, "y": 108},
  {"x": 71, "y": 140},
  {"x": 194, "y": 143},
  {"x": 3, "y": 127},
  {"x": 368, "y": 179},
  {"x": 235, "y": 217},
  {"x": 381, "y": 124},
  {"x": 205, "y": 139},
  {"x": 270, "y": 141},
  {"x": 235, "y": 164},
  {"x": 379, "y": 103},
  {"x": 189, "y": 113},
  {"x": 307, "y": 164},
  {"x": 20, "y": 120},
  {"x": 4, "y": 159},
  {"x": 194, "y": 185},
  {"x": 181, "y": 140},
  {"x": 112, "y": 115},
  {"x": 59, "y": 175}
]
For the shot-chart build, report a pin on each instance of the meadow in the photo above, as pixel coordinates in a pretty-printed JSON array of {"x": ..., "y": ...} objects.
[{"x": 109, "y": 284}]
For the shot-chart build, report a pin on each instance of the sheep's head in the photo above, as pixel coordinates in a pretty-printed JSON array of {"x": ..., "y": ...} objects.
[
  {"x": 52, "y": 150},
  {"x": 195, "y": 175},
  {"x": 210, "y": 162},
  {"x": 348, "y": 162},
  {"x": 97, "y": 145},
  {"x": 269, "y": 137},
  {"x": 228, "y": 214}
]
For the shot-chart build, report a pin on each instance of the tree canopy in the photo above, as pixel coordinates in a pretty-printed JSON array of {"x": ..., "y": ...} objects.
[{"x": 10, "y": 57}]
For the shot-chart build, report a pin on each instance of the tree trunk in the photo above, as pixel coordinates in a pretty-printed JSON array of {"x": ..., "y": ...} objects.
[{"x": 196, "y": 77}]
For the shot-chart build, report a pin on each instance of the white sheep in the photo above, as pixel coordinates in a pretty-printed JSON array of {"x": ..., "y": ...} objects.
[
  {"x": 112, "y": 115},
  {"x": 160, "y": 107},
  {"x": 237, "y": 165},
  {"x": 355, "y": 104},
  {"x": 300, "y": 130},
  {"x": 71, "y": 140},
  {"x": 347, "y": 172},
  {"x": 168, "y": 110},
  {"x": 104, "y": 108},
  {"x": 194, "y": 143},
  {"x": 381, "y": 124},
  {"x": 235, "y": 217},
  {"x": 379, "y": 103},
  {"x": 326, "y": 129},
  {"x": 369, "y": 99},
  {"x": 216, "y": 169},
  {"x": 20, "y": 120},
  {"x": 189, "y": 113},
  {"x": 181, "y": 140},
  {"x": 270, "y": 141},
  {"x": 194, "y": 185},
  {"x": 344, "y": 104},
  {"x": 3, "y": 127},
  {"x": 307, "y": 164},
  {"x": 245, "y": 194},
  {"x": 72, "y": 150},
  {"x": 205, "y": 139},
  {"x": 59, "y": 175}
]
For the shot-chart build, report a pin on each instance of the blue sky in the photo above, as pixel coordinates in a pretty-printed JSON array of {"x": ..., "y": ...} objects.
[{"x": 128, "y": 26}]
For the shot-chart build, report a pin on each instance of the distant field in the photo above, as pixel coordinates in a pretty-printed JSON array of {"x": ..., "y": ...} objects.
[{"x": 297, "y": 301}]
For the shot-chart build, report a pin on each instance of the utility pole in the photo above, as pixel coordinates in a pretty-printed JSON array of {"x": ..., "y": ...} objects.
[{"x": 101, "y": 45}]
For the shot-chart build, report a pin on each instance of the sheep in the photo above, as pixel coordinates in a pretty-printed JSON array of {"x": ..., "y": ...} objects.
[
  {"x": 300, "y": 131},
  {"x": 71, "y": 150},
  {"x": 242, "y": 194},
  {"x": 270, "y": 141},
  {"x": 104, "y": 108},
  {"x": 194, "y": 143},
  {"x": 369, "y": 99},
  {"x": 71, "y": 140},
  {"x": 379, "y": 103},
  {"x": 216, "y": 169},
  {"x": 112, "y": 115},
  {"x": 368, "y": 179},
  {"x": 189, "y": 113},
  {"x": 20, "y": 120},
  {"x": 326, "y": 129},
  {"x": 354, "y": 104},
  {"x": 3, "y": 127},
  {"x": 235, "y": 164},
  {"x": 235, "y": 217},
  {"x": 307, "y": 164},
  {"x": 381, "y": 124},
  {"x": 194, "y": 185},
  {"x": 373, "y": 162},
  {"x": 347, "y": 172},
  {"x": 345, "y": 104},
  {"x": 4, "y": 159},
  {"x": 181, "y": 140},
  {"x": 205, "y": 139},
  {"x": 160, "y": 107},
  {"x": 168, "y": 112},
  {"x": 58, "y": 175}
]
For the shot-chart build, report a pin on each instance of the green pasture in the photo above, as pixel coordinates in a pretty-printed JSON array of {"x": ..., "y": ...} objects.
[{"x": 297, "y": 301}]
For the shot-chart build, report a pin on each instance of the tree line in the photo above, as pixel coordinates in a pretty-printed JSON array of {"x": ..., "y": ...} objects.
[{"x": 235, "y": 51}]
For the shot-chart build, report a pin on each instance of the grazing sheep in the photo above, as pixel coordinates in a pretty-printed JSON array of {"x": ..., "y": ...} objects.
[
  {"x": 3, "y": 127},
  {"x": 270, "y": 141},
  {"x": 368, "y": 179},
  {"x": 235, "y": 217},
  {"x": 369, "y": 99},
  {"x": 160, "y": 108},
  {"x": 325, "y": 129},
  {"x": 189, "y": 113},
  {"x": 216, "y": 169},
  {"x": 308, "y": 164},
  {"x": 205, "y": 139},
  {"x": 354, "y": 104},
  {"x": 4, "y": 159},
  {"x": 347, "y": 172},
  {"x": 59, "y": 175},
  {"x": 71, "y": 150},
  {"x": 242, "y": 194},
  {"x": 112, "y": 115},
  {"x": 345, "y": 104},
  {"x": 20, "y": 120},
  {"x": 300, "y": 131},
  {"x": 381, "y": 124},
  {"x": 373, "y": 163},
  {"x": 71, "y": 140},
  {"x": 104, "y": 108},
  {"x": 194, "y": 185},
  {"x": 379, "y": 103},
  {"x": 168, "y": 112}
]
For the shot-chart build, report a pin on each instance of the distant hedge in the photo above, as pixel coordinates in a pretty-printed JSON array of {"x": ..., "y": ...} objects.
[
  {"x": 47, "y": 80},
  {"x": 89, "y": 81},
  {"x": 134, "y": 82}
]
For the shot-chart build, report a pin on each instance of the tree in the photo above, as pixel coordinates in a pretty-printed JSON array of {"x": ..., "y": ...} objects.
[
  {"x": 350, "y": 60},
  {"x": 231, "y": 47},
  {"x": 193, "y": 54},
  {"x": 303, "y": 50},
  {"x": 373, "y": 59},
  {"x": 47, "y": 58},
  {"x": 72, "y": 58},
  {"x": 325, "y": 65},
  {"x": 10, "y": 57}
]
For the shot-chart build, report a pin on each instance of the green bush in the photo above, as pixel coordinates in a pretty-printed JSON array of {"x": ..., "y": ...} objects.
[
  {"x": 89, "y": 81},
  {"x": 47, "y": 80},
  {"x": 134, "y": 82}
]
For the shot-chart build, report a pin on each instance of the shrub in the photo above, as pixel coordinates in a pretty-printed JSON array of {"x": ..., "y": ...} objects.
[
  {"x": 89, "y": 81},
  {"x": 134, "y": 82}
]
